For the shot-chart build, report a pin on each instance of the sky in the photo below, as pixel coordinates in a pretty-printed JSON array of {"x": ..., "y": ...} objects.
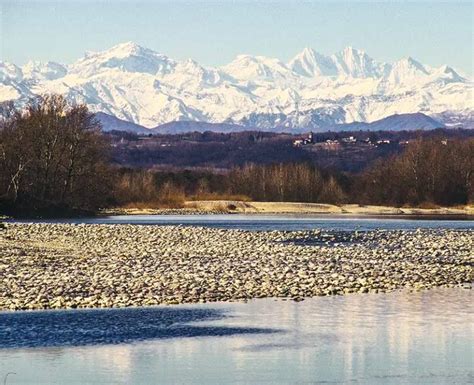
[{"x": 213, "y": 33}]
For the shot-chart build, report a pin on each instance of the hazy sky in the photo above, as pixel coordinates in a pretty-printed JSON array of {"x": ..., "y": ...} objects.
[{"x": 213, "y": 33}]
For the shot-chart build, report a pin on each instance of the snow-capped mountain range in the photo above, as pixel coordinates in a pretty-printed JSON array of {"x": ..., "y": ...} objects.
[{"x": 311, "y": 91}]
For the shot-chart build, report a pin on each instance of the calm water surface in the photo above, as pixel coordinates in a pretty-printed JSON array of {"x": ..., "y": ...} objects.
[
  {"x": 397, "y": 338},
  {"x": 284, "y": 222}
]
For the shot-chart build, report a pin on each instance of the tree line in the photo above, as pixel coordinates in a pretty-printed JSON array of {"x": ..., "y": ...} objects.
[
  {"x": 54, "y": 160},
  {"x": 430, "y": 170},
  {"x": 53, "y": 157}
]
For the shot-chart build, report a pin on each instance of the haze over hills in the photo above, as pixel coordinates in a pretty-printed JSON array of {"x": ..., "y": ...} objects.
[
  {"x": 110, "y": 122},
  {"x": 397, "y": 122},
  {"x": 312, "y": 91}
]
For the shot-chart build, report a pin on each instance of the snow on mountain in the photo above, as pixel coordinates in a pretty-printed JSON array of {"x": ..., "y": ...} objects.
[
  {"x": 252, "y": 68},
  {"x": 456, "y": 119},
  {"x": 406, "y": 70},
  {"x": 12, "y": 85},
  {"x": 10, "y": 71},
  {"x": 397, "y": 122},
  {"x": 310, "y": 63},
  {"x": 126, "y": 57},
  {"x": 36, "y": 70},
  {"x": 357, "y": 64},
  {"x": 349, "y": 62},
  {"x": 311, "y": 91}
]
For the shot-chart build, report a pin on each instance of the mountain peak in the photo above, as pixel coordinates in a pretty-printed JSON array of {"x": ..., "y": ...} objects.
[
  {"x": 136, "y": 83},
  {"x": 405, "y": 70},
  {"x": 127, "y": 45},
  {"x": 248, "y": 67},
  {"x": 352, "y": 51},
  {"x": 38, "y": 70},
  {"x": 356, "y": 63},
  {"x": 349, "y": 62},
  {"x": 412, "y": 62},
  {"x": 10, "y": 71},
  {"x": 124, "y": 50},
  {"x": 307, "y": 54},
  {"x": 128, "y": 48},
  {"x": 307, "y": 51},
  {"x": 310, "y": 63},
  {"x": 126, "y": 57},
  {"x": 449, "y": 74}
]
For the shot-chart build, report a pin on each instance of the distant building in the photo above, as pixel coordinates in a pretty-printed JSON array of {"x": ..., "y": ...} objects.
[
  {"x": 331, "y": 145},
  {"x": 304, "y": 141},
  {"x": 349, "y": 139}
]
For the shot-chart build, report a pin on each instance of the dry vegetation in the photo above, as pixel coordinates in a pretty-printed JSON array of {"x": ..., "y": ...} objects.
[
  {"x": 429, "y": 173},
  {"x": 53, "y": 159}
]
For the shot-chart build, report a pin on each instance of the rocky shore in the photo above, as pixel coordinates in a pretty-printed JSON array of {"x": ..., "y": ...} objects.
[{"x": 46, "y": 266}]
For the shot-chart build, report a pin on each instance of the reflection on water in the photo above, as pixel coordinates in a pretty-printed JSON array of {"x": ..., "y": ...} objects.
[
  {"x": 284, "y": 222},
  {"x": 398, "y": 338},
  {"x": 94, "y": 327}
]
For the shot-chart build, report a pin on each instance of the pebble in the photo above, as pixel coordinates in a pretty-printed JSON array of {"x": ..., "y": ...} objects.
[{"x": 54, "y": 266}]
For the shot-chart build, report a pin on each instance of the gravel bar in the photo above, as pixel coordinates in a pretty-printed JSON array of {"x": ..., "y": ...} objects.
[{"x": 52, "y": 266}]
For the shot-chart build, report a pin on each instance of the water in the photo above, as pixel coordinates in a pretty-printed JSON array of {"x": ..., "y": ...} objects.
[
  {"x": 284, "y": 222},
  {"x": 396, "y": 338}
]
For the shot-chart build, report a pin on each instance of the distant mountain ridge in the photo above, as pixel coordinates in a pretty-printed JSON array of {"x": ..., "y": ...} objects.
[
  {"x": 401, "y": 122},
  {"x": 397, "y": 122},
  {"x": 111, "y": 123},
  {"x": 311, "y": 91}
]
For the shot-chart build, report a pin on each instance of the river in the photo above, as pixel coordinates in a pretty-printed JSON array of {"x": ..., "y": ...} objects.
[
  {"x": 396, "y": 338},
  {"x": 283, "y": 222},
  {"x": 403, "y": 337}
]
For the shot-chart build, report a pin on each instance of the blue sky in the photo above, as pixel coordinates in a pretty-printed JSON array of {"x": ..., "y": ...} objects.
[{"x": 213, "y": 33}]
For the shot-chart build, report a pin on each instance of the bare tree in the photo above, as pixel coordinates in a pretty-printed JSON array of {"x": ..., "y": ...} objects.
[{"x": 53, "y": 156}]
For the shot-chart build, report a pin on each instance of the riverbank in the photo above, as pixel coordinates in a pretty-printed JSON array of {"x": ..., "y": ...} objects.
[
  {"x": 210, "y": 207},
  {"x": 67, "y": 266},
  {"x": 228, "y": 207}
]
